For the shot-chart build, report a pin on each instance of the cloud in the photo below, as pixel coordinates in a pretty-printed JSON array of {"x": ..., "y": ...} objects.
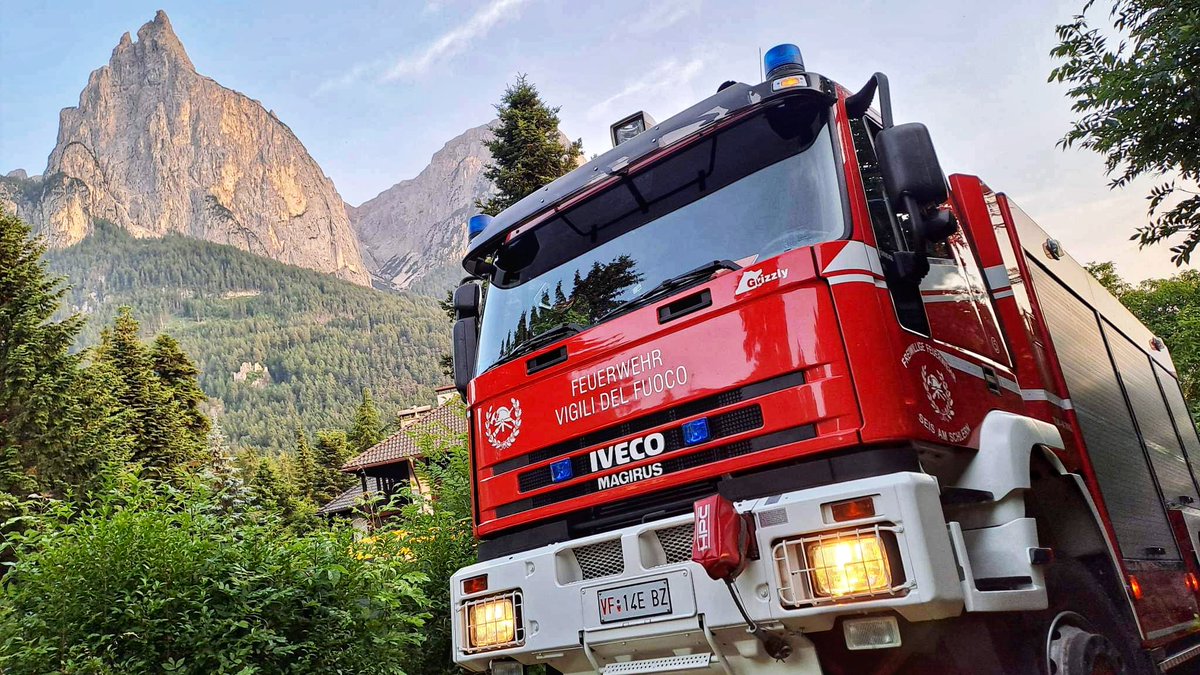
[
  {"x": 455, "y": 40},
  {"x": 449, "y": 44},
  {"x": 672, "y": 75},
  {"x": 347, "y": 78},
  {"x": 664, "y": 13}
]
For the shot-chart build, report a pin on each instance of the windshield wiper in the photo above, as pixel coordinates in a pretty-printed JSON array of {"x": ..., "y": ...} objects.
[
  {"x": 552, "y": 334},
  {"x": 673, "y": 284}
]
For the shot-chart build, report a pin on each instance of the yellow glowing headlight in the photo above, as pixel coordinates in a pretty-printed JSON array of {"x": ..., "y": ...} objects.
[
  {"x": 492, "y": 621},
  {"x": 849, "y": 566}
]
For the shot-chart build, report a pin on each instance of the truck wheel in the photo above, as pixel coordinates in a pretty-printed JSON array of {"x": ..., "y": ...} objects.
[
  {"x": 1074, "y": 648},
  {"x": 1083, "y": 631}
]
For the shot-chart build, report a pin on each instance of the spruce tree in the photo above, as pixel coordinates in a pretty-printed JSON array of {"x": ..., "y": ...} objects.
[
  {"x": 53, "y": 434},
  {"x": 180, "y": 376},
  {"x": 268, "y": 488},
  {"x": 527, "y": 147},
  {"x": 332, "y": 452},
  {"x": 223, "y": 473},
  {"x": 368, "y": 428},
  {"x": 163, "y": 443},
  {"x": 305, "y": 473}
]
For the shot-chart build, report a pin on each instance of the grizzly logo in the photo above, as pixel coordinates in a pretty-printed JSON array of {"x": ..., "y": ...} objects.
[{"x": 753, "y": 279}]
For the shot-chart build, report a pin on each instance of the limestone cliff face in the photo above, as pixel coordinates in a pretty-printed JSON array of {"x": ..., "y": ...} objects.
[
  {"x": 414, "y": 233},
  {"x": 157, "y": 148}
]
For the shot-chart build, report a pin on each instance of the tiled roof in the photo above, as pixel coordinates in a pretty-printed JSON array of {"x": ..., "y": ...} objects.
[
  {"x": 349, "y": 499},
  {"x": 450, "y": 417}
]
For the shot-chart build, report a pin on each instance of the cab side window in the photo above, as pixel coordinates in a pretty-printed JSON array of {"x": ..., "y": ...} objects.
[{"x": 889, "y": 231}]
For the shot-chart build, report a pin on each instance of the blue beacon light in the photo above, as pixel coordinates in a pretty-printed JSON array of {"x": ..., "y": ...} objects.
[
  {"x": 782, "y": 56},
  {"x": 477, "y": 224},
  {"x": 696, "y": 431},
  {"x": 562, "y": 470}
]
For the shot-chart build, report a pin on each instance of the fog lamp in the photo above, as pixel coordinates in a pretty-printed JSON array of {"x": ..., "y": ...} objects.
[
  {"x": 492, "y": 621},
  {"x": 877, "y": 632},
  {"x": 849, "y": 566},
  {"x": 506, "y": 668}
]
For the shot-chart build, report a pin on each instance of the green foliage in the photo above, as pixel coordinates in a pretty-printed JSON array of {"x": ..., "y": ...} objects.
[
  {"x": 527, "y": 148},
  {"x": 1106, "y": 274},
  {"x": 1170, "y": 308},
  {"x": 179, "y": 375},
  {"x": 1139, "y": 105},
  {"x": 332, "y": 452},
  {"x": 368, "y": 428},
  {"x": 435, "y": 524},
  {"x": 322, "y": 340},
  {"x": 59, "y": 422},
  {"x": 304, "y": 467},
  {"x": 169, "y": 431},
  {"x": 151, "y": 579}
]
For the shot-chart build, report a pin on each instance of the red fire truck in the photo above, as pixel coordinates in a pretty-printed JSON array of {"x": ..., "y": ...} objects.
[{"x": 760, "y": 390}]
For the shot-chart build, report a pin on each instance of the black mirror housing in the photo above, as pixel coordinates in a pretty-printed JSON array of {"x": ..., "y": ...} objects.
[
  {"x": 467, "y": 301},
  {"x": 910, "y": 165},
  {"x": 466, "y": 346}
]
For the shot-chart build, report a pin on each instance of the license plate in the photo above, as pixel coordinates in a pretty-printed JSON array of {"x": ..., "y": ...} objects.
[{"x": 649, "y": 598}]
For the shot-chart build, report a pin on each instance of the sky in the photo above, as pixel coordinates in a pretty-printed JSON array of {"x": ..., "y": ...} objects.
[{"x": 373, "y": 89}]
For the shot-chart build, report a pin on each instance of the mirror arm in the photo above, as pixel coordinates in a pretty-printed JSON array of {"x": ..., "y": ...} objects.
[{"x": 857, "y": 103}]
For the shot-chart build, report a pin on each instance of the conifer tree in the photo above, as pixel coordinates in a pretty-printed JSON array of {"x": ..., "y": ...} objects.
[
  {"x": 163, "y": 444},
  {"x": 179, "y": 375},
  {"x": 224, "y": 474},
  {"x": 368, "y": 428},
  {"x": 527, "y": 148},
  {"x": 332, "y": 452},
  {"x": 266, "y": 485},
  {"x": 305, "y": 473},
  {"x": 52, "y": 433}
]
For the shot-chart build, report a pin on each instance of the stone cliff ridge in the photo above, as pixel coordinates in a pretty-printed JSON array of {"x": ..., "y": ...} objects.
[
  {"x": 414, "y": 233},
  {"x": 156, "y": 148}
]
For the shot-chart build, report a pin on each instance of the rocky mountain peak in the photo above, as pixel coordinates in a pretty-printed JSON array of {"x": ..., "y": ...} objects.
[
  {"x": 156, "y": 41},
  {"x": 414, "y": 233},
  {"x": 156, "y": 148}
]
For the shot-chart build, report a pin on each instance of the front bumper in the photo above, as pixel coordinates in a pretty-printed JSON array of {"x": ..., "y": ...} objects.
[{"x": 559, "y": 586}]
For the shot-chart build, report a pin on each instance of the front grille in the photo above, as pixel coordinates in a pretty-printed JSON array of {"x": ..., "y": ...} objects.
[
  {"x": 603, "y": 559},
  {"x": 719, "y": 426},
  {"x": 654, "y": 419},
  {"x": 669, "y": 465},
  {"x": 676, "y": 543}
]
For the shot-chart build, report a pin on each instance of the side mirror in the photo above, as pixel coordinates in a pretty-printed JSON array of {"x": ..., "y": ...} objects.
[
  {"x": 467, "y": 301},
  {"x": 913, "y": 176},
  {"x": 466, "y": 334}
]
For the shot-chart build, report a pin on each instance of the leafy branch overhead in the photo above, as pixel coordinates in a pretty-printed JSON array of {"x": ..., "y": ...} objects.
[{"x": 1137, "y": 96}]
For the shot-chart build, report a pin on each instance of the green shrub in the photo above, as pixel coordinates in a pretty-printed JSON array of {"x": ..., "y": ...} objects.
[
  {"x": 148, "y": 578},
  {"x": 435, "y": 529}
]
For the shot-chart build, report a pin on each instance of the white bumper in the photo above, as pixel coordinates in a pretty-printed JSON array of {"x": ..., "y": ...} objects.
[{"x": 560, "y": 620}]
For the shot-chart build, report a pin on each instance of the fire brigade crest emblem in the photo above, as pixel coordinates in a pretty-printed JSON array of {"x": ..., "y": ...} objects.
[
  {"x": 938, "y": 393},
  {"x": 501, "y": 425}
]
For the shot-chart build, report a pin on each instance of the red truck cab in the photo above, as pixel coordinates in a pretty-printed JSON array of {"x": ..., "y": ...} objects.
[{"x": 777, "y": 297}]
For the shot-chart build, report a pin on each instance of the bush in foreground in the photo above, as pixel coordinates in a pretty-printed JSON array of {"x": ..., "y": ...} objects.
[{"x": 152, "y": 579}]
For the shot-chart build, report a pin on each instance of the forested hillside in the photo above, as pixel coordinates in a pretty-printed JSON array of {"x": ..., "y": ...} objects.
[{"x": 320, "y": 340}]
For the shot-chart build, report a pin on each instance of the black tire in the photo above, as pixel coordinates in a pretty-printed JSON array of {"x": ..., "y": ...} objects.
[
  {"x": 1082, "y": 625},
  {"x": 1084, "y": 630}
]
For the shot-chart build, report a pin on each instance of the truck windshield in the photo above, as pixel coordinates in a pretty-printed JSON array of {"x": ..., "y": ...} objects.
[{"x": 766, "y": 185}]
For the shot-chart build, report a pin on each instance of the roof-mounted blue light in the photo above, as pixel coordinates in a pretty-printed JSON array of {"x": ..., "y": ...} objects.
[
  {"x": 477, "y": 224},
  {"x": 781, "y": 56}
]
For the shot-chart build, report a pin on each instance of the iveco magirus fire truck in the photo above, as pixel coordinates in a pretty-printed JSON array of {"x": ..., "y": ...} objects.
[{"x": 761, "y": 390}]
